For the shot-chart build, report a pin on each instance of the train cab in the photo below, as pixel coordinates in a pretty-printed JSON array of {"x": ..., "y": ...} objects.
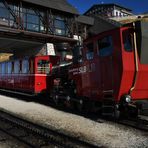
[{"x": 95, "y": 66}]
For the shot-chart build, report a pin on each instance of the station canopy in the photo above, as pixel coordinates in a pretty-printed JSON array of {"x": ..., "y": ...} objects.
[
  {"x": 61, "y": 5},
  {"x": 8, "y": 45}
]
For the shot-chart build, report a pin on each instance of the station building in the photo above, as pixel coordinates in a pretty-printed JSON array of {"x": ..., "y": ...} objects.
[
  {"x": 27, "y": 25},
  {"x": 46, "y": 16},
  {"x": 108, "y": 10}
]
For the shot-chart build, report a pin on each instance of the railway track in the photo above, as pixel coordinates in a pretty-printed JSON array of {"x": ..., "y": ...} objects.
[
  {"x": 35, "y": 136},
  {"x": 140, "y": 123}
]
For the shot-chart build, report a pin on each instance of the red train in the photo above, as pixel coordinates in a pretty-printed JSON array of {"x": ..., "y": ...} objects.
[
  {"x": 108, "y": 74},
  {"x": 29, "y": 76}
]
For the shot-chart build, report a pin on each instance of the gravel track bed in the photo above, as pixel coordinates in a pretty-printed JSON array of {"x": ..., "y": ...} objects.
[
  {"x": 105, "y": 134},
  {"x": 7, "y": 141}
]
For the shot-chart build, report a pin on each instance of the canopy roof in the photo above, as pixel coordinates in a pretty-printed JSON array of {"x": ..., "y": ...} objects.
[{"x": 61, "y": 5}]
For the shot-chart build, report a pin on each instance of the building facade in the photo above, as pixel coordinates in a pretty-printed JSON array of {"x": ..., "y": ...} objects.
[
  {"x": 53, "y": 17},
  {"x": 28, "y": 26},
  {"x": 108, "y": 10}
]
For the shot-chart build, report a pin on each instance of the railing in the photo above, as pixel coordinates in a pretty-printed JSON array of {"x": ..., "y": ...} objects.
[{"x": 43, "y": 70}]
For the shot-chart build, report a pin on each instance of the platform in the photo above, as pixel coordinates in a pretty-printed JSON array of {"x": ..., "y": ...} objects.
[{"x": 101, "y": 133}]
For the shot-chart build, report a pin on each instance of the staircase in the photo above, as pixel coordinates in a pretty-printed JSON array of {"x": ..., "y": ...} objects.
[{"x": 108, "y": 104}]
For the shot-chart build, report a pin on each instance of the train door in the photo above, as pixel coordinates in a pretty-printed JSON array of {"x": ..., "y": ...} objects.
[
  {"x": 105, "y": 51},
  {"x": 42, "y": 78},
  {"x": 128, "y": 61}
]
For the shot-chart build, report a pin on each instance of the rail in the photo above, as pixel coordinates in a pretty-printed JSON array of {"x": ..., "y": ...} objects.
[
  {"x": 139, "y": 123},
  {"x": 43, "y": 136}
]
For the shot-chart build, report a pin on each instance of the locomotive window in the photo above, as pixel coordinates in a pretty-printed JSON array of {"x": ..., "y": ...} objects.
[
  {"x": 77, "y": 54},
  {"x": 25, "y": 66},
  {"x": 127, "y": 41},
  {"x": 90, "y": 51},
  {"x": 105, "y": 46},
  {"x": 43, "y": 67}
]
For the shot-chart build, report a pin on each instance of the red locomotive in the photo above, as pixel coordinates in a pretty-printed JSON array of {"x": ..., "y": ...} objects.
[{"x": 108, "y": 74}]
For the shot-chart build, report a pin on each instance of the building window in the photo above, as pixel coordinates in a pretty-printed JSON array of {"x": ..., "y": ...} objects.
[
  {"x": 32, "y": 20},
  {"x": 4, "y": 15},
  {"x": 32, "y": 27},
  {"x": 105, "y": 46},
  {"x": 42, "y": 26},
  {"x": 60, "y": 26},
  {"x": 116, "y": 13}
]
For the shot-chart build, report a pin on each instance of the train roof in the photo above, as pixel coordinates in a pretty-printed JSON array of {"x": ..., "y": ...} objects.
[{"x": 102, "y": 24}]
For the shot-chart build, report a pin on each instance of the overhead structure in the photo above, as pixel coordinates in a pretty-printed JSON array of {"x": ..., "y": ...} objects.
[{"x": 35, "y": 22}]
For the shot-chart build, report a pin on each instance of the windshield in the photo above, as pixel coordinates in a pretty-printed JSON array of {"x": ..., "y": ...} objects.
[
  {"x": 43, "y": 67},
  {"x": 127, "y": 41}
]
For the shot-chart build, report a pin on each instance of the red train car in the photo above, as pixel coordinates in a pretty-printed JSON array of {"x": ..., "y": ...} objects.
[
  {"x": 27, "y": 75},
  {"x": 110, "y": 72}
]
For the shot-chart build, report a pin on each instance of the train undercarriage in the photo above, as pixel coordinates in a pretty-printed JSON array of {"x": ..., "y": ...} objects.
[{"x": 65, "y": 94}]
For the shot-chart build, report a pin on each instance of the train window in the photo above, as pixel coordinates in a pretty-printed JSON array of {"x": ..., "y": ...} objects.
[
  {"x": 105, "y": 46},
  {"x": 43, "y": 67},
  {"x": 31, "y": 66},
  {"x": 12, "y": 70},
  {"x": 6, "y": 67},
  {"x": 16, "y": 67},
  {"x": 127, "y": 41},
  {"x": 3, "y": 68},
  {"x": 90, "y": 51},
  {"x": 9, "y": 67},
  {"x": 77, "y": 54},
  {"x": 25, "y": 66},
  {"x": 0, "y": 68}
]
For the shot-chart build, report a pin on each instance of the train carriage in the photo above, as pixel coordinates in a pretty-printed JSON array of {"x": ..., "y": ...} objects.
[{"x": 27, "y": 75}]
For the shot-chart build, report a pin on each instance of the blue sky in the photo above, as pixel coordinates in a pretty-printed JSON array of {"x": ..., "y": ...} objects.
[{"x": 138, "y": 6}]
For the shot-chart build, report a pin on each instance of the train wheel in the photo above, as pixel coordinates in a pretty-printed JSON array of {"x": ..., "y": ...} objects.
[
  {"x": 117, "y": 113},
  {"x": 80, "y": 106},
  {"x": 133, "y": 112},
  {"x": 55, "y": 100},
  {"x": 84, "y": 106}
]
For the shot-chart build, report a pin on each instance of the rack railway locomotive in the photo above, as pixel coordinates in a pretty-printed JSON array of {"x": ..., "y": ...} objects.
[{"x": 108, "y": 74}]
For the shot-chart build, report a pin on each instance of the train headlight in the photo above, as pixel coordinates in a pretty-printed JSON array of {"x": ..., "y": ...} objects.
[{"x": 128, "y": 98}]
